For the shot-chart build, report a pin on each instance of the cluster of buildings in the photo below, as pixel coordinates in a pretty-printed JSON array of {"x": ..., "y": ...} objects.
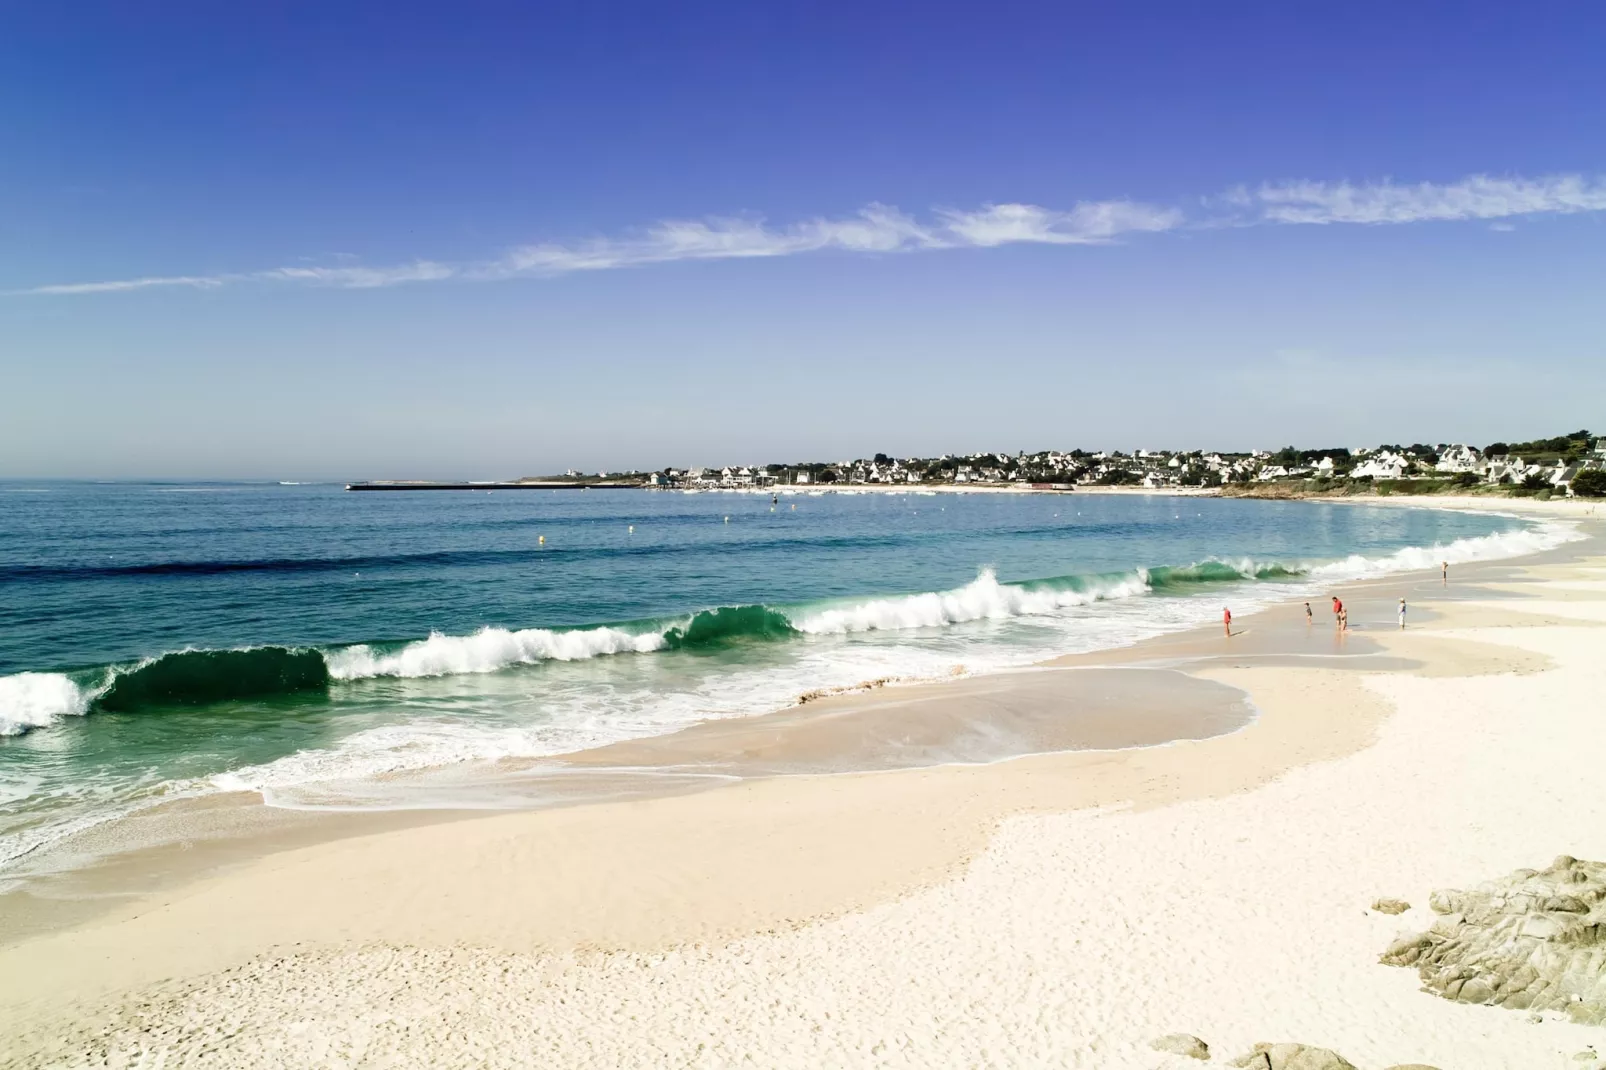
[
  {"x": 1458, "y": 460},
  {"x": 1047, "y": 469},
  {"x": 1155, "y": 469}
]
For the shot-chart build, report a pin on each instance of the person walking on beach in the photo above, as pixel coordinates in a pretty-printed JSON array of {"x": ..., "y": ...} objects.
[
  {"x": 1226, "y": 622},
  {"x": 1444, "y": 573},
  {"x": 1338, "y": 611},
  {"x": 1308, "y": 618},
  {"x": 1402, "y": 614}
]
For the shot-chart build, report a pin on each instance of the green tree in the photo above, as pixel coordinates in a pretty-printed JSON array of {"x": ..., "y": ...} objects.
[{"x": 1590, "y": 483}]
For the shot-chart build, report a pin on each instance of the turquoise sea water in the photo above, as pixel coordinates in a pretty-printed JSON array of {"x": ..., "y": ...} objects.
[{"x": 163, "y": 640}]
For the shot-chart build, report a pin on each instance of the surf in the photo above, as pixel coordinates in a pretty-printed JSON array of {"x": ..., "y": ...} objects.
[{"x": 191, "y": 677}]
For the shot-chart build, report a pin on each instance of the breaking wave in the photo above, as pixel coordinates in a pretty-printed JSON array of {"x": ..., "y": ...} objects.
[
  {"x": 36, "y": 699},
  {"x": 183, "y": 678},
  {"x": 196, "y": 677},
  {"x": 984, "y": 598},
  {"x": 488, "y": 650}
]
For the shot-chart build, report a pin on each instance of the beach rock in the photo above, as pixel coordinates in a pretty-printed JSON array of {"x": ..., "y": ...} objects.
[
  {"x": 1182, "y": 1044},
  {"x": 1390, "y": 906},
  {"x": 1292, "y": 1057},
  {"x": 1533, "y": 941}
]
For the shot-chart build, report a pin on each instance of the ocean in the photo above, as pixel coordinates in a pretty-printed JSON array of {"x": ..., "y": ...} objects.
[{"x": 163, "y": 641}]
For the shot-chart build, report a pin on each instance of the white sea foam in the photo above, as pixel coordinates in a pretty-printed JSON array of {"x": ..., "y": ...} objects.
[
  {"x": 487, "y": 650},
  {"x": 36, "y": 699},
  {"x": 984, "y": 598},
  {"x": 1500, "y": 545}
]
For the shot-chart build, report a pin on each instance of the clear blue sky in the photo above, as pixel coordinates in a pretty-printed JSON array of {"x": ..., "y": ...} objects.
[{"x": 365, "y": 240}]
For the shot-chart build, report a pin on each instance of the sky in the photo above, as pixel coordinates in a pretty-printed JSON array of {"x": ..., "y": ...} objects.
[{"x": 344, "y": 241}]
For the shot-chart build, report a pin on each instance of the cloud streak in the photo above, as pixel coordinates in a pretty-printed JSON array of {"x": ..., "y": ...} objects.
[
  {"x": 876, "y": 228},
  {"x": 881, "y": 229},
  {"x": 197, "y": 282},
  {"x": 1475, "y": 197}
]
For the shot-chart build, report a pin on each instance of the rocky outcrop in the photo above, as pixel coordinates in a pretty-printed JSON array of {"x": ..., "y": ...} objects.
[
  {"x": 1182, "y": 1044},
  {"x": 1292, "y": 1057},
  {"x": 1390, "y": 906},
  {"x": 1535, "y": 940}
]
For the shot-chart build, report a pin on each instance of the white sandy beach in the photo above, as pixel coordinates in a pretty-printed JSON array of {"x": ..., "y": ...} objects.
[{"x": 1055, "y": 910}]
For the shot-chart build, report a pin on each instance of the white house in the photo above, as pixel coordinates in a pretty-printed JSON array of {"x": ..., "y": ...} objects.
[
  {"x": 1383, "y": 466},
  {"x": 1504, "y": 470},
  {"x": 1459, "y": 458}
]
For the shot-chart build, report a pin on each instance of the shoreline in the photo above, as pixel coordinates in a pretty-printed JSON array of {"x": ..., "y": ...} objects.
[
  {"x": 213, "y": 822},
  {"x": 843, "y": 685},
  {"x": 763, "y": 864},
  {"x": 780, "y": 854}
]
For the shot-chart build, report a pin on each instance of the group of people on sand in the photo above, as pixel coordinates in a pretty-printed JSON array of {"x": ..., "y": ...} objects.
[{"x": 1340, "y": 614}]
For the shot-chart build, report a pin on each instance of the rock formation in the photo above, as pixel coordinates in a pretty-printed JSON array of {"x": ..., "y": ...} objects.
[
  {"x": 1535, "y": 940},
  {"x": 1182, "y": 1044},
  {"x": 1292, "y": 1057},
  {"x": 1390, "y": 906}
]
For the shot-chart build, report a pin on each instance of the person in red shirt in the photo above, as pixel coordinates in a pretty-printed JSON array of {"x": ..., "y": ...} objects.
[
  {"x": 1338, "y": 609},
  {"x": 1226, "y": 621}
]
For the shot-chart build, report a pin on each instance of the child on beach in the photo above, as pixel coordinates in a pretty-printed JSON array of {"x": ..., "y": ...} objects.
[{"x": 1308, "y": 619}]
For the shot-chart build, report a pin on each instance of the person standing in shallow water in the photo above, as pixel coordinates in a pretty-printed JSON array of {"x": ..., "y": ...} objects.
[
  {"x": 1308, "y": 619},
  {"x": 1226, "y": 622},
  {"x": 1338, "y": 612},
  {"x": 1444, "y": 573}
]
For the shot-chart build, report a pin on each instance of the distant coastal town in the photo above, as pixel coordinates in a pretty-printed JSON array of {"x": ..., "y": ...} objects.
[
  {"x": 1573, "y": 464},
  {"x": 1553, "y": 464}
]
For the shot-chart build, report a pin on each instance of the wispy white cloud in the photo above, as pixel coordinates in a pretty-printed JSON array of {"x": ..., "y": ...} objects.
[
  {"x": 1086, "y": 224},
  {"x": 199, "y": 282},
  {"x": 879, "y": 228},
  {"x": 362, "y": 278},
  {"x": 1476, "y": 197},
  {"x": 874, "y": 229}
]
